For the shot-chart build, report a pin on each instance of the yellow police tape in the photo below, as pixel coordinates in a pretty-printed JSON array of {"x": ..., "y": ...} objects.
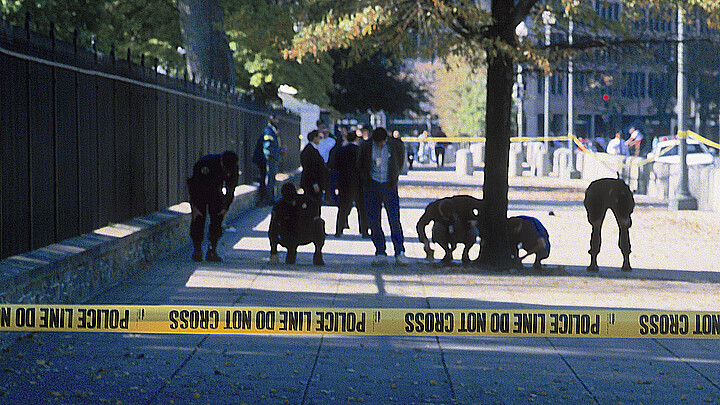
[
  {"x": 481, "y": 139},
  {"x": 359, "y": 321}
]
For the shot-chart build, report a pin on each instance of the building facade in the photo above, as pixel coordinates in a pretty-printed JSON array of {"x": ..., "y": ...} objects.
[{"x": 615, "y": 88}]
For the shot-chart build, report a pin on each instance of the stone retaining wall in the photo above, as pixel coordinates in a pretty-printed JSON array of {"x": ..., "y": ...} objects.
[{"x": 77, "y": 269}]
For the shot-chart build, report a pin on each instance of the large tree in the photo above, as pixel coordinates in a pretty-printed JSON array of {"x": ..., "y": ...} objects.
[
  {"x": 480, "y": 32},
  {"x": 208, "y": 54}
]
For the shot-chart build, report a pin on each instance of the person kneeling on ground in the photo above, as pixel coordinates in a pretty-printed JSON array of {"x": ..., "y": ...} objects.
[{"x": 529, "y": 234}]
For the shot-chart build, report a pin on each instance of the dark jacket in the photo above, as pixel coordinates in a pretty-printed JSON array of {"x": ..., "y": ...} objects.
[
  {"x": 345, "y": 163},
  {"x": 209, "y": 178},
  {"x": 397, "y": 159},
  {"x": 314, "y": 169}
]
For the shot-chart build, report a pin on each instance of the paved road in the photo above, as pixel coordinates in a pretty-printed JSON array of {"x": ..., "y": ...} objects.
[{"x": 218, "y": 369}]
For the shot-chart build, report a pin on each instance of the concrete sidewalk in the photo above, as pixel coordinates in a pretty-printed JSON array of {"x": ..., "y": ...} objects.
[{"x": 222, "y": 369}]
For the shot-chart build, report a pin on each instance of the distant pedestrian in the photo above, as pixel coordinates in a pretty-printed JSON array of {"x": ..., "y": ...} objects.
[
  {"x": 617, "y": 146},
  {"x": 635, "y": 142},
  {"x": 423, "y": 154},
  {"x": 273, "y": 153},
  {"x": 349, "y": 187},
  {"x": 211, "y": 188},
  {"x": 440, "y": 149},
  {"x": 411, "y": 149},
  {"x": 380, "y": 162},
  {"x": 363, "y": 133},
  {"x": 261, "y": 163}
]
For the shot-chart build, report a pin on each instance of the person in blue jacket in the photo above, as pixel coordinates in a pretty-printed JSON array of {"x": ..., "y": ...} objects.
[{"x": 273, "y": 152}]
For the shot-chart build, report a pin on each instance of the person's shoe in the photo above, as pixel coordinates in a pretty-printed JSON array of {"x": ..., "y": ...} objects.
[
  {"x": 197, "y": 256},
  {"x": 212, "y": 256},
  {"x": 380, "y": 260},
  {"x": 401, "y": 260}
]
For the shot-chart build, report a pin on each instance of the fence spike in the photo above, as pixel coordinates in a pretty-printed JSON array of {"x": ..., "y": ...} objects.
[
  {"x": 52, "y": 35},
  {"x": 94, "y": 47},
  {"x": 27, "y": 24}
]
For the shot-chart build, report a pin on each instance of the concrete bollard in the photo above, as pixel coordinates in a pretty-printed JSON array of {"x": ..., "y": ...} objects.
[
  {"x": 515, "y": 168},
  {"x": 559, "y": 162},
  {"x": 638, "y": 174},
  {"x": 530, "y": 149},
  {"x": 540, "y": 165},
  {"x": 464, "y": 162},
  {"x": 478, "y": 153}
]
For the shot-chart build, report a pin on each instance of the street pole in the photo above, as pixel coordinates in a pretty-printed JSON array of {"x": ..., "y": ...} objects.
[
  {"x": 682, "y": 200},
  {"x": 520, "y": 96},
  {"x": 548, "y": 19},
  {"x": 572, "y": 172},
  {"x": 521, "y": 31}
]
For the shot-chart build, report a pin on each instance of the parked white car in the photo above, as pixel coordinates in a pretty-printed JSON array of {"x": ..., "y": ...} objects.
[{"x": 669, "y": 152}]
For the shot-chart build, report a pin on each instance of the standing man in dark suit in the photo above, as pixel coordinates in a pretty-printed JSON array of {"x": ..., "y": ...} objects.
[
  {"x": 314, "y": 178},
  {"x": 212, "y": 189},
  {"x": 380, "y": 161},
  {"x": 348, "y": 186}
]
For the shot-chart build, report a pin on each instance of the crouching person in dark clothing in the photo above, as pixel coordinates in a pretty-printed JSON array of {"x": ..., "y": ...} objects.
[
  {"x": 296, "y": 221},
  {"x": 211, "y": 188}
]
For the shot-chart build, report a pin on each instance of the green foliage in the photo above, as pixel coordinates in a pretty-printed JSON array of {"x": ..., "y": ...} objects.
[
  {"x": 459, "y": 98},
  {"x": 85, "y": 15},
  {"x": 374, "y": 83},
  {"x": 258, "y": 31},
  {"x": 145, "y": 26},
  {"x": 151, "y": 27}
]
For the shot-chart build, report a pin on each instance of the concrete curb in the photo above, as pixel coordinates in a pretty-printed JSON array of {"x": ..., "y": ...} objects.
[{"x": 79, "y": 268}]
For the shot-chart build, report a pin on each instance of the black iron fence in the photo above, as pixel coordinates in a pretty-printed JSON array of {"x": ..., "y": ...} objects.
[{"x": 90, "y": 139}]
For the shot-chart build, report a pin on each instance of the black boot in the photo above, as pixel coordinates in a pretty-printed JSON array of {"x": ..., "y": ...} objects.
[
  {"x": 197, "y": 254},
  {"x": 212, "y": 255}
]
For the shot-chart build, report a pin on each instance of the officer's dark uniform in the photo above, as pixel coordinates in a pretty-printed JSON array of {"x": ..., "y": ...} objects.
[{"x": 212, "y": 188}]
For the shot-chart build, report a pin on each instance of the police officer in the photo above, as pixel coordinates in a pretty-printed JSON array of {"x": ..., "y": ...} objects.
[{"x": 212, "y": 188}]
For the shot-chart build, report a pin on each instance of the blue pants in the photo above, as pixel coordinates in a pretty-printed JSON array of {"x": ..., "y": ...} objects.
[
  {"x": 272, "y": 170},
  {"x": 377, "y": 194}
]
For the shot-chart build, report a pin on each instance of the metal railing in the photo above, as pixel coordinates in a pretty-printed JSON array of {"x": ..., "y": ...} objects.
[{"x": 88, "y": 139}]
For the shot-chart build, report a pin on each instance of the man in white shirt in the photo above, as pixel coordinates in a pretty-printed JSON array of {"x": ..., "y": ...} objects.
[
  {"x": 326, "y": 141},
  {"x": 617, "y": 146}
]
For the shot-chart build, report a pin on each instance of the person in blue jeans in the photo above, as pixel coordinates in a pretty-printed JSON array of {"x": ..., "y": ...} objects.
[{"x": 379, "y": 164}]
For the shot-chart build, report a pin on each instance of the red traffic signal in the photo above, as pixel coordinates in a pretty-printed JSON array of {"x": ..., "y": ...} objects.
[{"x": 606, "y": 97}]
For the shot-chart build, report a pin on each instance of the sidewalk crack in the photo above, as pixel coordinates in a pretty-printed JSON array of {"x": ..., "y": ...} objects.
[
  {"x": 687, "y": 363},
  {"x": 153, "y": 399},
  {"x": 577, "y": 376}
]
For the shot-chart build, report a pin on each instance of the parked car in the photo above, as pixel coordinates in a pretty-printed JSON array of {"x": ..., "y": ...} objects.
[{"x": 668, "y": 152}]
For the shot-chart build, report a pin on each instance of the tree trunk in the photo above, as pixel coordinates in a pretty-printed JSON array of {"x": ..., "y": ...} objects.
[
  {"x": 207, "y": 51},
  {"x": 496, "y": 251}
]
